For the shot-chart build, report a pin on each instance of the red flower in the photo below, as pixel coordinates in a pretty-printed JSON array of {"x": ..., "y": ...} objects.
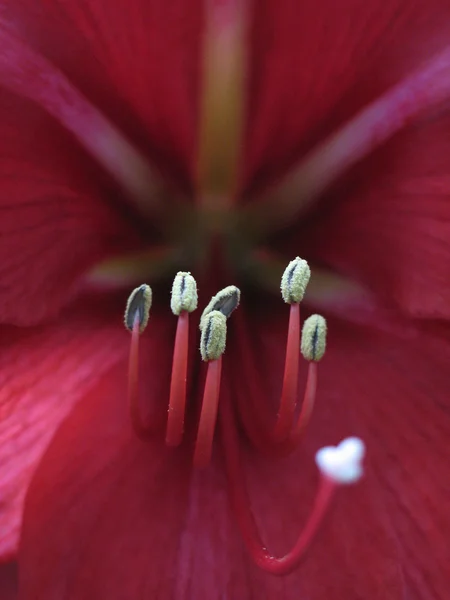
[{"x": 109, "y": 516}]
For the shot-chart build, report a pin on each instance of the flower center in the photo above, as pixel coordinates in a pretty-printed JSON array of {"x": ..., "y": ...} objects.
[{"x": 340, "y": 465}]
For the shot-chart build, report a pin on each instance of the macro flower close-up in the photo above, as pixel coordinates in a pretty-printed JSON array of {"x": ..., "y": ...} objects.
[{"x": 263, "y": 189}]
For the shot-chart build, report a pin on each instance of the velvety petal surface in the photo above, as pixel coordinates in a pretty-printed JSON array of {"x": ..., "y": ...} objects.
[
  {"x": 8, "y": 581},
  {"x": 44, "y": 371},
  {"x": 393, "y": 393},
  {"x": 137, "y": 61},
  {"x": 313, "y": 65},
  {"x": 57, "y": 214},
  {"x": 124, "y": 501},
  {"x": 131, "y": 503},
  {"x": 388, "y": 224}
]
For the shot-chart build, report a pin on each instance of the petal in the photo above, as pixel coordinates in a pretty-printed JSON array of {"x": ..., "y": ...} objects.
[
  {"x": 113, "y": 519},
  {"x": 53, "y": 222},
  {"x": 315, "y": 64},
  {"x": 98, "y": 488},
  {"x": 137, "y": 61},
  {"x": 392, "y": 392},
  {"x": 163, "y": 540},
  {"x": 389, "y": 225},
  {"x": 8, "y": 581},
  {"x": 106, "y": 495},
  {"x": 43, "y": 372}
]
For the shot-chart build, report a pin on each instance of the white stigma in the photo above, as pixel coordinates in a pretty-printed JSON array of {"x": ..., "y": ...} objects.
[{"x": 342, "y": 463}]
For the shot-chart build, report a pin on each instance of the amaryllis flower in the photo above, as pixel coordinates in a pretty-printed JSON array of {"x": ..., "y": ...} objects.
[{"x": 142, "y": 138}]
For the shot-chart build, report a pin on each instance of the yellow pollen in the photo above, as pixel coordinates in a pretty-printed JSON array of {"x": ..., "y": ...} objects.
[
  {"x": 184, "y": 293},
  {"x": 213, "y": 338},
  {"x": 295, "y": 280},
  {"x": 314, "y": 335}
]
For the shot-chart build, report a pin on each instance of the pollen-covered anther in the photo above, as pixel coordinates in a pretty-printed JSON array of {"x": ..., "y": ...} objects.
[
  {"x": 343, "y": 463},
  {"x": 295, "y": 280},
  {"x": 138, "y": 307},
  {"x": 225, "y": 302},
  {"x": 184, "y": 293},
  {"x": 214, "y": 333},
  {"x": 314, "y": 338}
]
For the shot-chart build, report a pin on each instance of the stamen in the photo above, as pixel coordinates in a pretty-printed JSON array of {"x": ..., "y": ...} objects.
[
  {"x": 213, "y": 327},
  {"x": 183, "y": 301},
  {"x": 337, "y": 465},
  {"x": 136, "y": 319},
  {"x": 283, "y": 438},
  {"x": 293, "y": 286}
]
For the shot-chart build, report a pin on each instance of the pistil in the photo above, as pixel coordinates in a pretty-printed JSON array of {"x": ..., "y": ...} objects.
[{"x": 338, "y": 466}]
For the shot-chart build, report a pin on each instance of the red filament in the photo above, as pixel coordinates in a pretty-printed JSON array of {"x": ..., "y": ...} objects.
[
  {"x": 288, "y": 400},
  {"x": 177, "y": 400},
  {"x": 139, "y": 426},
  {"x": 255, "y": 416},
  {"x": 306, "y": 409},
  {"x": 208, "y": 415}
]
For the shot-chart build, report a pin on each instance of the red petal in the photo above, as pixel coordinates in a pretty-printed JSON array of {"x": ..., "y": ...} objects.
[
  {"x": 106, "y": 496},
  {"x": 314, "y": 64},
  {"x": 393, "y": 393},
  {"x": 389, "y": 226},
  {"x": 110, "y": 517},
  {"x": 43, "y": 372},
  {"x": 137, "y": 61},
  {"x": 112, "y": 507},
  {"x": 8, "y": 581},
  {"x": 53, "y": 224}
]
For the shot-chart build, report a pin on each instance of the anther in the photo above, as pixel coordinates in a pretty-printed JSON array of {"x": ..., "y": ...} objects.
[
  {"x": 225, "y": 301},
  {"x": 183, "y": 301},
  {"x": 138, "y": 307},
  {"x": 184, "y": 293},
  {"x": 295, "y": 280},
  {"x": 214, "y": 334},
  {"x": 314, "y": 337},
  {"x": 136, "y": 319}
]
